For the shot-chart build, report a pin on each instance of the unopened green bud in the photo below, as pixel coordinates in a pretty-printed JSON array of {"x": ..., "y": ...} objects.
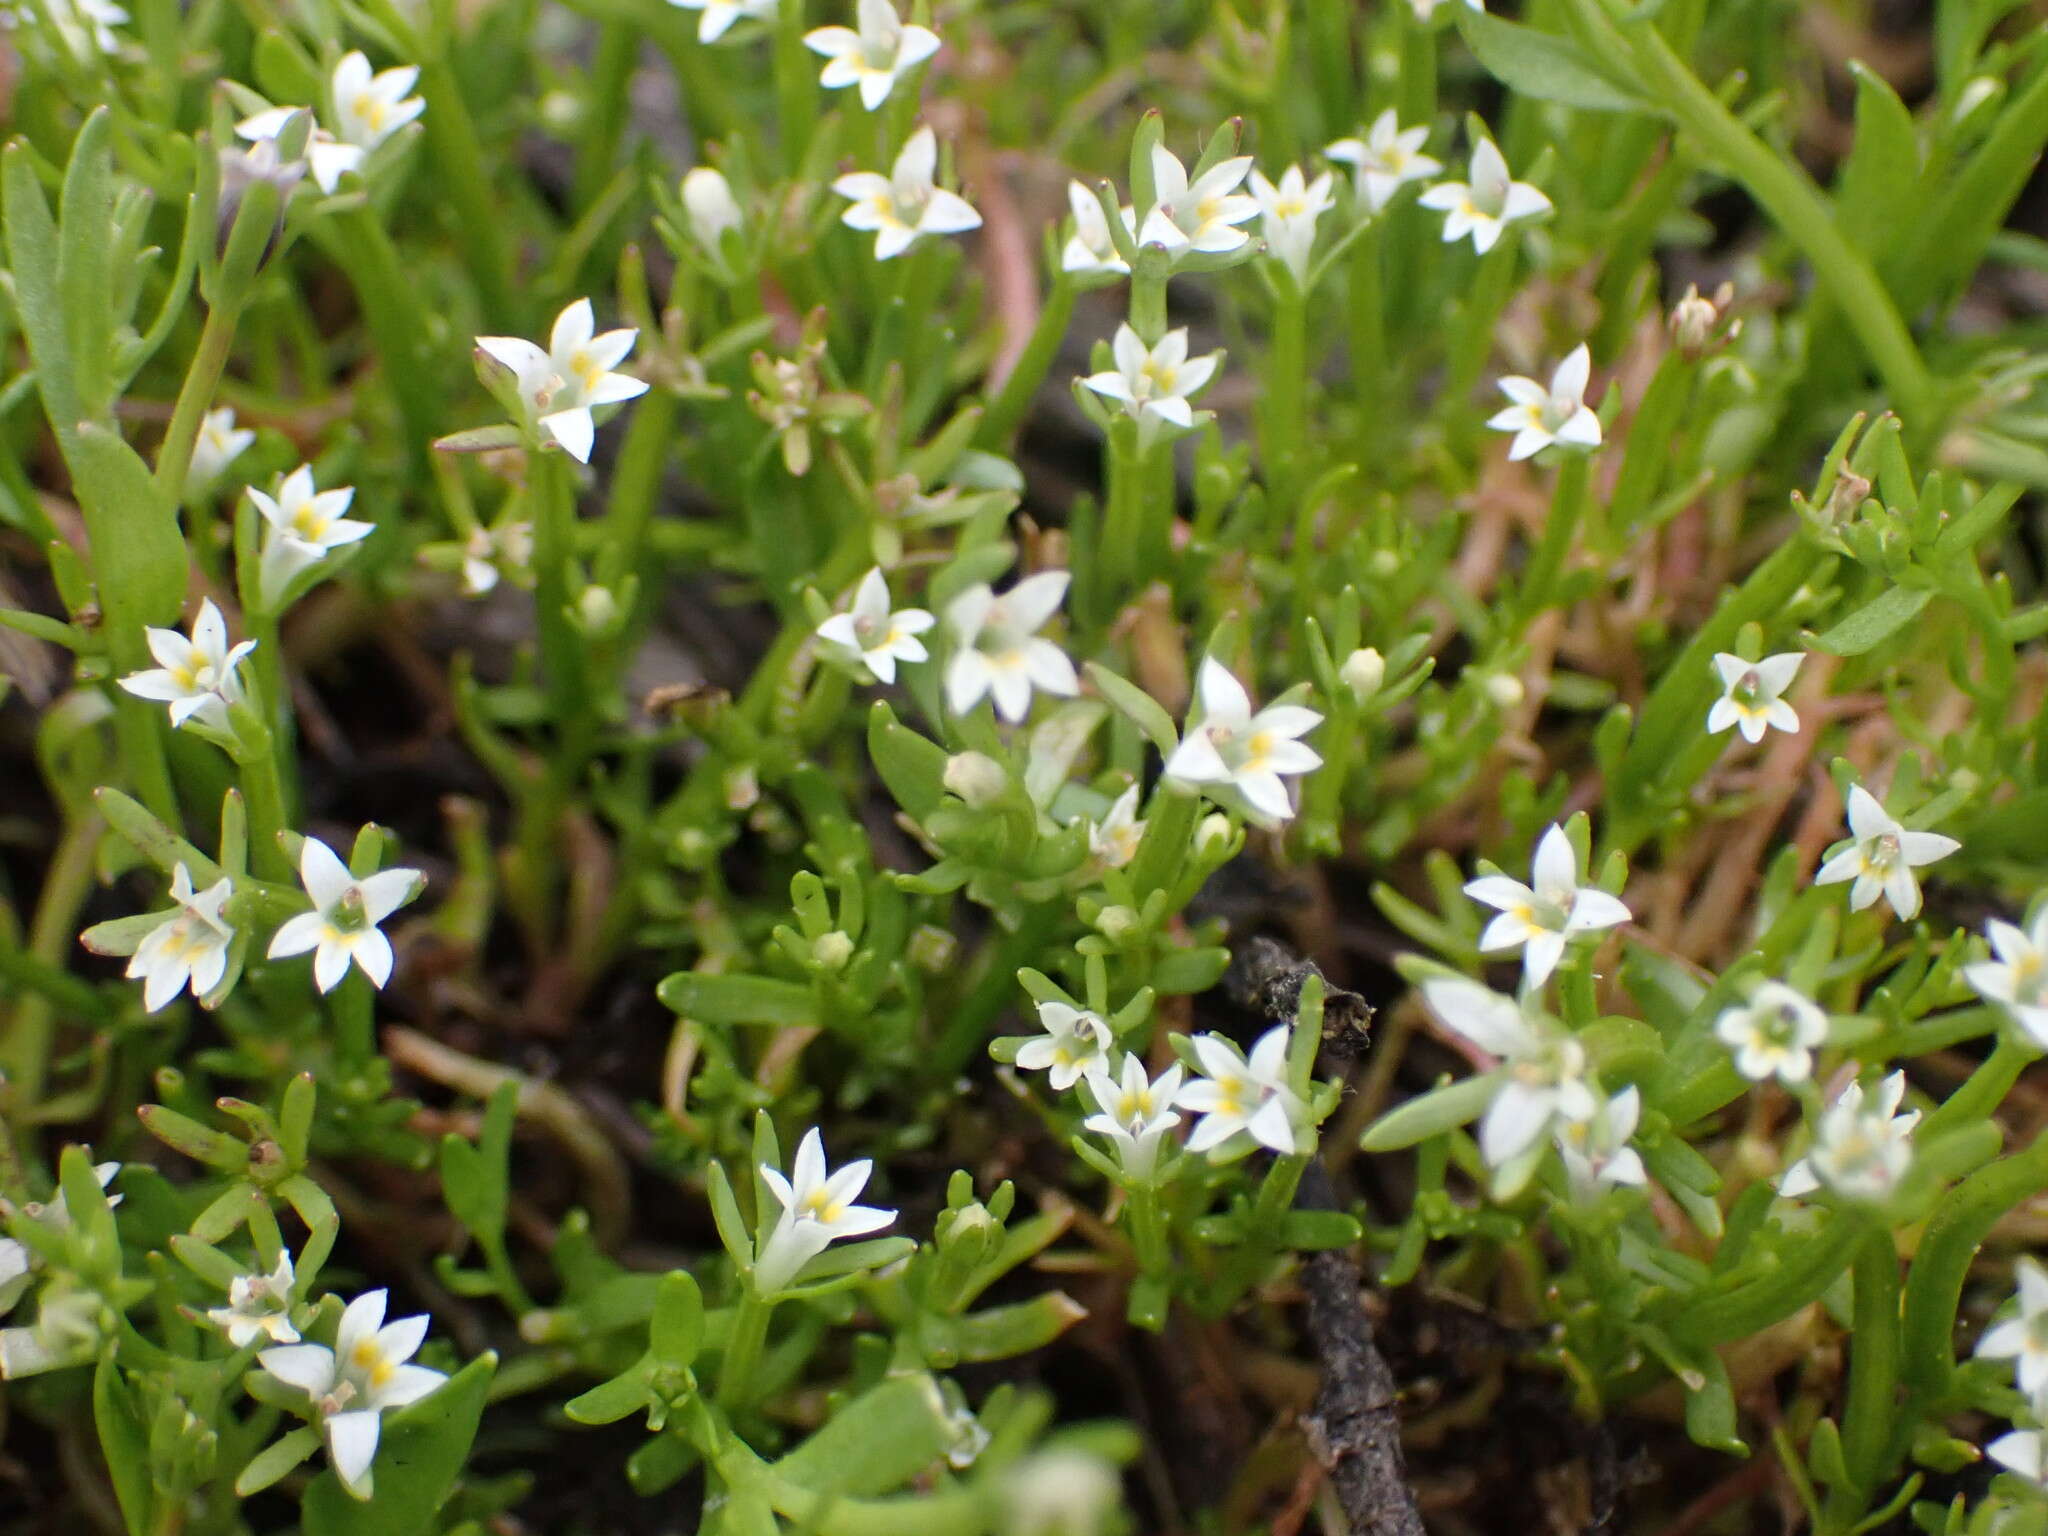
[
  {"x": 932, "y": 949},
  {"x": 832, "y": 950},
  {"x": 1116, "y": 923}
]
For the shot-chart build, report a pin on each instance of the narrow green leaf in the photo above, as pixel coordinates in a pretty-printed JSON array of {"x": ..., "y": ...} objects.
[
  {"x": 125, "y": 1445},
  {"x": 85, "y": 247},
  {"x": 1875, "y": 622},
  {"x": 716, "y": 999},
  {"x": 1545, "y": 66}
]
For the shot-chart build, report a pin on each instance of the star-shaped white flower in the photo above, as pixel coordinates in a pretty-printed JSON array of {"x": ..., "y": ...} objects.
[
  {"x": 1542, "y": 1072},
  {"x": 2018, "y": 979},
  {"x": 1541, "y": 919},
  {"x": 1075, "y": 1043},
  {"x": 194, "y": 675},
  {"x": 342, "y": 926},
  {"x": 1153, "y": 384},
  {"x": 906, "y": 203},
  {"x": 817, "y": 1210},
  {"x": 2024, "y": 1451},
  {"x": 259, "y": 1306},
  {"x": 1881, "y": 856},
  {"x": 1859, "y": 1153},
  {"x": 1113, "y": 841},
  {"x": 557, "y": 390},
  {"x": 1752, "y": 697},
  {"x": 189, "y": 948},
  {"x": 719, "y": 16},
  {"x": 327, "y": 157},
  {"x": 1288, "y": 214},
  {"x": 369, "y": 108},
  {"x": 1596, "y": 1152},
  {"x": 305, "y": 527},
  {"x": 998, "y": 650},
  {"x": 1385, "y": 160},
  {"x": 1202, "y": 215},
  {"x": 1226, "y": 743},
  {"x": 1540, "y": 417},
  {"x": 876, "y": 56},
  {"x": 219, "y": 444},
  {"x": 871, "y": 634},
  {"x": 1486, "y": 205},
  {"x": 18, "y": 1261},
  {"x": 1090, "y": 249},
  {"x": 2024, "y": 1339},
  {"x": 352, "y": 1384},
  {"x": 1134, "y": 1111},
  {"x": 1774, "y": 1034},
  {"x": 1239, "y": 1093}
]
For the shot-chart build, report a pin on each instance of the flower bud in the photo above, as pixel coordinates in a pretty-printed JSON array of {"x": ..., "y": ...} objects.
[
  {"x": 1505, "y": 690},
  {"x": 708, "y": 199},
  {"x": 1116, "y": 923},
  {"x": 932, "y": 949},
  {"x": 742, "y": 788},
  {"x": 976, "y": 778},
  {"x": 1213, "y": 835},
  {"x": 1060, "y": 1493},
  {"x": 832, "y": 950},
  {"x": 1363, "y": 672},
  {"x": 597, "y": 611}
]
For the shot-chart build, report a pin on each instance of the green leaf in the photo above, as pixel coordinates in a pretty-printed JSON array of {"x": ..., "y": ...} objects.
[
  {"x": 876, "y": 1443},
  {"x": 677, "y": 1331},
  {"x": 1875, "y": 622},
  {"x": 1874, "y": 193},
  {"x": 714, "y": 999},
  {"x": 1312, "y": 1230},
  {"x": 125, "y": 1446},
  {"x": 418, "y": 1459},
  {"x": 32, "y": 263},
  {"x": 913, "y": 768},
  {"x": 152, "y": 839},
  {"x": 1441, "y": 1109},
  {"x": 1545, "y": 66},
  {"x": 85, "y": 245},
  {"x": 1182, "y": 972},
  {"x": 1144, "y": 711},
  {"x": 1710, "y": 1406}
]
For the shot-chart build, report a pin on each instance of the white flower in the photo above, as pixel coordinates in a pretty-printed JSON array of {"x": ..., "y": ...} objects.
[
  {"x": 711, "y": 207},
  {"x": 1288, "y": 215},
  {"x": 1385, "y": 160},
  {"x": 2024, "y": 1451},
  {"x": 305, "y": 527},
  {"x": 1774, "y": 1034},
  {"x": 369, "y": 108},
  {"x": 2024, "y": 1339},
  {"x": 1540, "y": 417},
  {"x": 1596, "y": 1152},
  {"x": 482, "y": 552},
  {"x": 870, "y": 634},
  {"x": 999, "y": 650},
  {"x": 353, "y": 1383},
  {"x": 817, "y": 1209},
  {"x": 1076, "y": 1042},
  {"x": 1113, "y": 841},
  {"x": 328, "y": 158},
  {"x": 1135, "y": 1112},
  {"x": 189, "y": 948},
  {"x": 1236, "y": 1093},
  {"x": 1880, "y": 857},
  {"x": 1427, "y": 9},
  {"x": 2018, "y": 978},
  {"x": 259, "y": 1306},
  {"x": 1228, "y": 744},
  {"x": 196, "y": 675},
  {"x": 346, "y": 911},
  {"x": 219, "y": 444},
  {"x": 719, "y": 15},
  {"x": 1153, "y": 384},
  {"x": 557, "y": 389},
  {"x": 18, "y": 1261},
  {"x": 1202, "y": 216},
  {"x": 874, "y": 57},
  {"x": 1540, "y": 920},
  {"x": 1484, "y": 207},
  {"x": 1858, "y": 1153},
  {"x": 1090, "y": 249},
  {"x": 1752, "y": 694},
  {"x": 1542, "y": 1074},
  {"x": 906, "y": 203}
]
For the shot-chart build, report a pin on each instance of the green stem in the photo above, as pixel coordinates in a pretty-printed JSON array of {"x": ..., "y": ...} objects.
[
  {"x": 1366, "y": 311},
  {"x": 202, "y": 379},
  {"x": 1984, "y": 1090},
  {"x": 1282, "y": 423},
  {"x": 25, "y": 1045},
  {"x": 457, "y": 153},
  {"x": 1487, "y": 297},
  {"x": 1870, "y": 1413},
  {"x": 1148, "y": 1230},
  {"x": 1816, "y": 1258},
  {"x": 1148, "y": 307},
  {"x": 742, "y": 1358},
  {"x": 1567, "y": 507},
  {"x": 1012, "y": 403},
  {"x": 796, "y": 96}
]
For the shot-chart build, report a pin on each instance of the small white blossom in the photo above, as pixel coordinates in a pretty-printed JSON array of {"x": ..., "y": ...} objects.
[
  {"x": 998, "y": 650},
  {"x": 1596, "y": 1152},
  {"x": 1288, "y": 214},
  {"x": 1880, "y": 857},
  {"x": 719, "y": 15},
  {"x": 817, "y": 1209},
  {"x": 259, "y": 1306},
  {"x": 1228, "y": 744},
  {"x": 906, "y": 203},
  {"x": 1090, "y": 249},
  {"x": 195, "y": 675},
  {"x": 305, "y": 527},
  {"x": 18, "y": 1261},
  {"x": 876, "y": 56},
  {"x": 1134, "y": 1111},
  {"x": 1752, "y": 697},
  {"x": 1200, "y": 216},
  {"x": 509, "y": 545},
  {"x": 1239, "y": 1093},
  {"x": 1485, "y": 206},
  {"x": 1858, "y": 1153},
  {"x": 219, "y": 444},
  {"x": 2018, "y": 979},
  {"x": 368, "y": 109},
  {"x": 1153, "y": 384},
  {"x": 1113, "y": 841},
  {"x": 1425, "y": 10},
  {"x": 352, "y": 1384},
  {"x": 189, "y": 948},
  {"x": 1076, "y": 1042},
  {"x": 2024, "y": 1339},
  {"x": 2024, "y": 1451},
  {"x": 557, "y": 389},
  {"x": 711, "y": 208},
  {"x": 871, "y": 634},
  {"x": 1774, "y": 1034},
  {"x": 342, "y": 926},
  {"x": 1542, "y": 1072},
  {"x": 1540, "y": 417},
  {"x": 1385, "y": 160},
  {"x": 1541, "y": 919}
]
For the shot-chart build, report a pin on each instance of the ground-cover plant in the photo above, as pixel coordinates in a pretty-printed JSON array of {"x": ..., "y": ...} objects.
[{"x": 1023, "y": 768}]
